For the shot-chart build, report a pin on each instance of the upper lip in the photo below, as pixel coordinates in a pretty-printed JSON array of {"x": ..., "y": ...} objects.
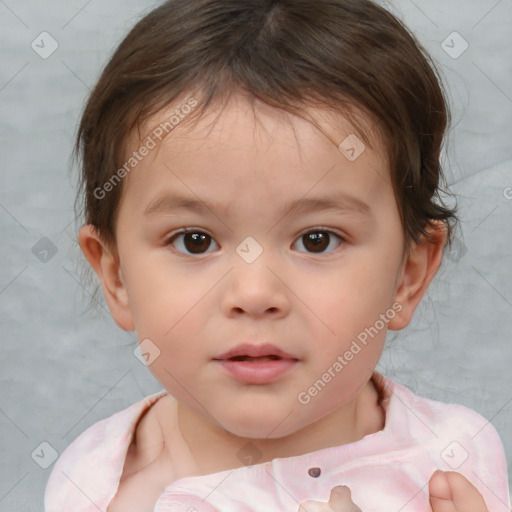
[{"x": 247, "y": 349}]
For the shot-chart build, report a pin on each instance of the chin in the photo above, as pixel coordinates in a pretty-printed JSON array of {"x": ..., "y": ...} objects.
[{"x": 262, "y": 426}]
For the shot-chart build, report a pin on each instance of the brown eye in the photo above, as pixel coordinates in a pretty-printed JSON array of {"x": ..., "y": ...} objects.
[
  {"x": 318, "y": 241},
  {"x": 191, "y": 242}
]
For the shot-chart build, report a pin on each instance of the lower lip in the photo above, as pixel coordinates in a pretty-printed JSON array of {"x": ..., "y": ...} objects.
[{"x": 262, "y": 372}]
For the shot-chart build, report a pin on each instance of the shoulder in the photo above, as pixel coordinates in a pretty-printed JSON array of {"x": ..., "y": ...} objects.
[
  {"x": 89, "y": 468},
  {"x": 453, "y": 438},
  {"x": 441, "y": 417},
  {"x": 148, "y": 439}
]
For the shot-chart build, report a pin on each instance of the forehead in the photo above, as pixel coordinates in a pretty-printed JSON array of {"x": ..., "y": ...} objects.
[
  {"x": 254, "y": 148},
  {"x": 179, "y": 121}
]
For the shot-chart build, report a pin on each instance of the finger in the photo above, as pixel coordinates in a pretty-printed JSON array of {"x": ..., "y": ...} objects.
[
  {"x": 315, "y": 506},
  {"x": 452, "y": 492},
  {"x": 441, "y": 493},
  {"x": 439, "y": 487},
  {"x": 340, "y": 500},
  {"x": 440, "y": 505},
  {"x": 465, "y": 495}
]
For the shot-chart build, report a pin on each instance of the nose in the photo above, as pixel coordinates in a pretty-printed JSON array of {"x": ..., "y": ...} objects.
[{"x": 256, "y": 290}]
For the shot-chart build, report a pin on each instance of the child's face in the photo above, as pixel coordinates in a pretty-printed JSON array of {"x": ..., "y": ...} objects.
[{"x": 197, "y": 298}]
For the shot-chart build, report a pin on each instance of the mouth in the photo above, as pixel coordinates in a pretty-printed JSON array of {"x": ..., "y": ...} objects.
[
  {"x": 255, "y": 353},
  {"x": 256, "y": 364},
  {"x": 255, "y": 359}
]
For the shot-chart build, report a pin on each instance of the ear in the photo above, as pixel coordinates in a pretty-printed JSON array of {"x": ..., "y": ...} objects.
[
  {"x": 105, "y": 263},
  {"x": 417, "y": 271}
]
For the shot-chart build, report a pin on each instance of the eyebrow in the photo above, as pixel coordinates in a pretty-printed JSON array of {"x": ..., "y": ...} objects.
[{"x": 343, "y": 203}]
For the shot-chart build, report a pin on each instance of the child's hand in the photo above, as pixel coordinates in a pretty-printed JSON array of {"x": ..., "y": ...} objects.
[
  {"x": 340, "y": 500},
  {"x": 448, "y": 492},
  {"x": 452, "y": 492}
]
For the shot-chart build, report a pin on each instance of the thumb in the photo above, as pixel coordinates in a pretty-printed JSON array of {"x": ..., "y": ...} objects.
[
  {"x": 340, "y": 500},
  {"x": 315, "y": 506}
]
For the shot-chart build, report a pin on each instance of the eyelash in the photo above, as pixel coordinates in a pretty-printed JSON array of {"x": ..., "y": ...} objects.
[{"x": 318, "y": 229}]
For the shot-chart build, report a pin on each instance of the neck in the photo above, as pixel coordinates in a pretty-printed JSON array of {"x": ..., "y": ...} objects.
[{"x": 215, "y": 449}]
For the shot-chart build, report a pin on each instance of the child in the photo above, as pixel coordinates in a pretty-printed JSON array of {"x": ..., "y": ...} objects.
[{"x": 261, "y": 205}]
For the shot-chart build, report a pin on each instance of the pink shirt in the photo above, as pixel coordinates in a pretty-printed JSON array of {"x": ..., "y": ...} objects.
[{"x": 386, "y": 471}]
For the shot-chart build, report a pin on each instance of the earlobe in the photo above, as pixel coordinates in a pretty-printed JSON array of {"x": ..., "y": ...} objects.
[
  {"x": 417, "y": 272},
  {"x": 105, "y": 263}
]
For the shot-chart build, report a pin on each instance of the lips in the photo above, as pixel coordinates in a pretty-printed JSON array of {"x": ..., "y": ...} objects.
[
  {"x": 256, "y": 364},
  {"x": 255, "y": 359},
  {"x": 255, "y": 353}
]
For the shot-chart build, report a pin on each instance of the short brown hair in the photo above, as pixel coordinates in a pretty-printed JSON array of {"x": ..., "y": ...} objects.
[{"x": 340, "y": 54}]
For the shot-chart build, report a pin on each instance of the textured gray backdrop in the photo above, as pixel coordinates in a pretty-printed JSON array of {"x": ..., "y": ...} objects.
[{"x": 62, "y": 370}]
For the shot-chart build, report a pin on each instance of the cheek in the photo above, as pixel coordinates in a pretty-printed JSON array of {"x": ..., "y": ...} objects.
[
  {"x": 349, "y": 301},
  {"x": 164, "y": 300},
  {"x": 358, "y": 289}
]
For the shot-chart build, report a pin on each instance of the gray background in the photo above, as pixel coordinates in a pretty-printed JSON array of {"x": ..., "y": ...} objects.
[{"x": 62, "y": 370}]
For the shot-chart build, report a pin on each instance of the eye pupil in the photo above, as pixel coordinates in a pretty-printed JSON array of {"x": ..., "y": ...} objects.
[
  {"x": 320, "y": 240},
  {"x": 198, "y": 242}
]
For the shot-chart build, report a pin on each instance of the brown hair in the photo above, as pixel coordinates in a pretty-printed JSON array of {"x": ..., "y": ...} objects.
[{"x": 341, "y": 54}]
